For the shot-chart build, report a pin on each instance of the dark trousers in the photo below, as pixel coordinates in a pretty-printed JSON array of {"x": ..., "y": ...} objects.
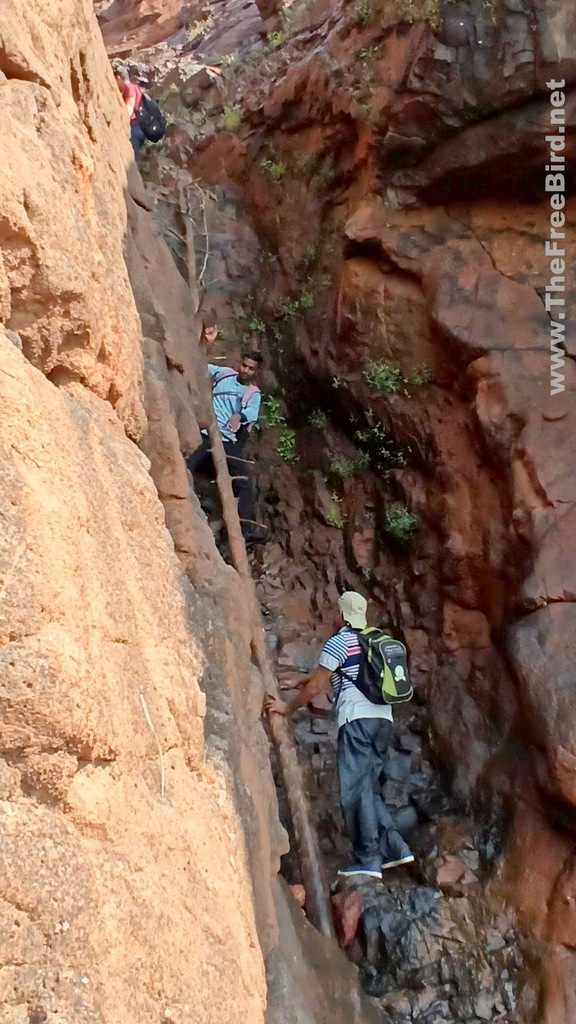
[
  {"x": 201, "y": 461},
  {"x": 137, "y": 137},
  {"x": 362, "y": 748}
]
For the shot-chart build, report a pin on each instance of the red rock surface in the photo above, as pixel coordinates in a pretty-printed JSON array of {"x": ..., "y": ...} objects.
[
  {"x": 127, "y": 23},
  {"x": 410, "y": 204},
  {"x": 348, "y": 908}
]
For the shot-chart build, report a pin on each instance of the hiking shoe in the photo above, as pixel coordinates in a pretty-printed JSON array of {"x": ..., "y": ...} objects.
[
  {"x": 396, "y": 852},
  {"x": 359, "y": 869},
  {"x": 253, "y": 537},
  {"x": 402, "y": 861}
]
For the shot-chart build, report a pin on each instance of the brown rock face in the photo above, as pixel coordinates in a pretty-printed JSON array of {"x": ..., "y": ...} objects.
[
  {"x": 133, "y": 819},
  {"x": 65, "y": 290},
  {"x": 107, "y": 883},
  {"x": 126, "y": 23},
  {"x": 393, "y": 175}
]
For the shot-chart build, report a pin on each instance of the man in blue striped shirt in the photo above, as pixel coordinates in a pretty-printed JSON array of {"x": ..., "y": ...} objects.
[
  {"x": 364, "y": 732},
  {"x": 236, "y": 400}
]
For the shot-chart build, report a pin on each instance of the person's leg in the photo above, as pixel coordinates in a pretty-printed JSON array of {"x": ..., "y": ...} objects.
[
  {"x": 137, "y": 137},
  {"x": 200, "y": 459},
  {"x": 241, "y": 484},
  {"x": 356, "y": 776},
  {"x": 381, "y": 741},
  {"x": 395, "y": 850}
]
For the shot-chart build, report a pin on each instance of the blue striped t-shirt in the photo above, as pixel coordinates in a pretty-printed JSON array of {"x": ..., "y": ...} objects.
[
  {"x": 342, "y": 654},
  {"x": 227, "y": 398}
]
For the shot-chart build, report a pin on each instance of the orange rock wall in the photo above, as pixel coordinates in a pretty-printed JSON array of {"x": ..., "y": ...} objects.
[
  {"x": 409, "y": 202},
  {"x": 110, "y": 903},
  {"x": 133, "y": 819}
]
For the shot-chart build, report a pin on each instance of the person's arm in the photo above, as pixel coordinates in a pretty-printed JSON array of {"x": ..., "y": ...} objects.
[
  {"x": 130, "y": 97},
  {"x": 313, "y": 685},
  {"x": 215, "y": 370},
  {"x": 252, "y": 410}
]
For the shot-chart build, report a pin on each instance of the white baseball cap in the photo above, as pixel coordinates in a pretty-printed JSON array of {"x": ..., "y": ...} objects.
[{"x": 353, "y": 607}]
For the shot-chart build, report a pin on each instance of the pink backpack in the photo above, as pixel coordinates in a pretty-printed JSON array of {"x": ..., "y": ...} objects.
[{"x": 248, "y": 394}]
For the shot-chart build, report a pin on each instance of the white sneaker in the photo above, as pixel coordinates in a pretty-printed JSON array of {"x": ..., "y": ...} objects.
[
  {"x": 407, "y": 859},
  {"x": 359, "y": 869}
]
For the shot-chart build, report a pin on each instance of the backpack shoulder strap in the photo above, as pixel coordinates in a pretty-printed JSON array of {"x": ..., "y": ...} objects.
[
  {"x": 222, "y": 376},
  {"x": 248, "y": 394}
]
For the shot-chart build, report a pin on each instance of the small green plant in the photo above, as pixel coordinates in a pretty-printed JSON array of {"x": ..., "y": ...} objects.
[
  {"x": 175, "y": 118},
  {"x": 252, "y": 60},
  {"x": 318, "y": 419},
  {"x": 296, "y": 17},
  {"x": 383, "y": 377},
  {"x": 490, "y": 6},
  {"x": 276, "y": 169},
  {"x": 196, "y": 28},
  {"x": 231, "y": 118},
  {"x": 310, "y": 256},
  {"x": 294, "y": 307},
  {"x": 400, "y": 525},
  {"x": 231, "y": 66},
  {"x": 333, "y": 517},
  {"x": 251, "y": 324},
  {"x": 287, "y": 445},
  {"x": 336, "y": 383},
  {"x": 333, "y": 514},
  {"x": 364, "y": 12},
  {"x": 275, "y": 40},
  {"x": 272, "y": 415},
  {"x": 199, "y": 117},
  {"x": 384, "y": 453},
  {"x": 367, "y": 52},
  {"x": 347, "y": 465},
  {"x": 428, "y": 10},
  {"x": 343, "y": 467},
  {"x": 421, "y": 377}
]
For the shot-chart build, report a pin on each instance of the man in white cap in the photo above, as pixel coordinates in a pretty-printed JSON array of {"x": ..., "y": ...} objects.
[{"x": 364, "y": 731}]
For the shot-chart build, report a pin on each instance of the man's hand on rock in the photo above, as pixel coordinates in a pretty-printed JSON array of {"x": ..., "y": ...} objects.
[
  {"x": 291, "y": 684},
  {"x": 273, "y": 705}
]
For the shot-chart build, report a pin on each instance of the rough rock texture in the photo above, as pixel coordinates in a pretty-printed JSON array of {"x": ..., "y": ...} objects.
[
  {"x": 63, "y": 283},
  {"x": 125, "y": 23},
  {"x": 107, "y": 886},
  {"x": 139, "y": 824},
  {"x": 119, "y": 902},
  {"x": 382, "y": 201}
]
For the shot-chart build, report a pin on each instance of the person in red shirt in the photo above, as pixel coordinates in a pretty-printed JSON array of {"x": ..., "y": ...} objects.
[{"x": 132, "y": 96}]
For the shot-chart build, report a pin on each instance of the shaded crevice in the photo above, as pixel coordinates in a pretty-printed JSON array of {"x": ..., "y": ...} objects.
[{"x": 16, "y": 72}]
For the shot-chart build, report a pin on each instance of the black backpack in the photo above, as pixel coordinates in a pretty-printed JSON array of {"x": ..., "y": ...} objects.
[
  {"x": 383, "y": 676},
  {"x": 151, "y": 119}
]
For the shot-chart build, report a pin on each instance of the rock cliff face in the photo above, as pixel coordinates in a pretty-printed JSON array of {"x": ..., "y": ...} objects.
[
  {"x": 63, "y": 284},
  {"x": 371, "y": 202},
  {"x": 139, "y": 828},
  {"x": 375, "y": 207},
  {"x": 108, "y": 846},
  {"x": 140, "y": 839}
]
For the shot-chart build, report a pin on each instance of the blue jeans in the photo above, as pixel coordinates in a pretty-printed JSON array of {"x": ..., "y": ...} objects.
[
  {"x": 137, "y": 137},
  {"x": 362, "y": 748}
]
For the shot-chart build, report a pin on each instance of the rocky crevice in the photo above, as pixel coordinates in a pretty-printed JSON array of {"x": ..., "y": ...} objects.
[
  {"x": 319, "y": 168},
  {"x": 332, "y": 234}
]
